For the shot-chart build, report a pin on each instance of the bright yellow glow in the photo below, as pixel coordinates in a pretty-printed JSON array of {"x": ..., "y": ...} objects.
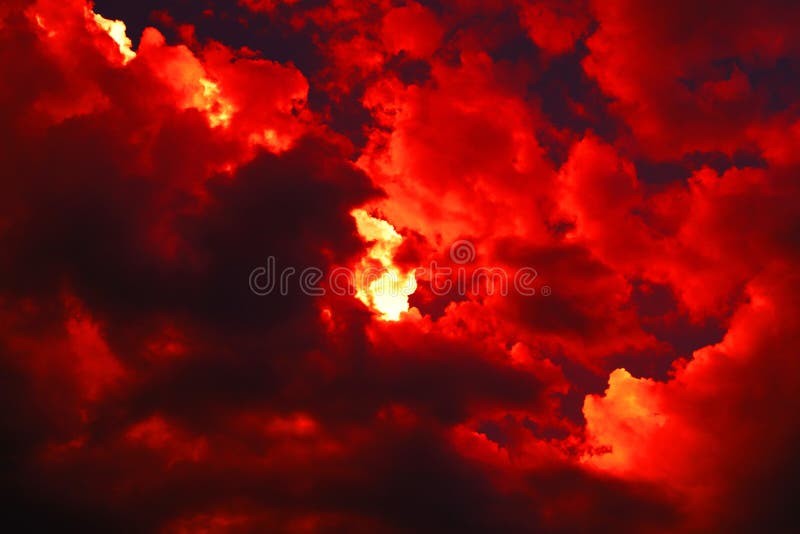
[
  {"x": 116, "y": 30},
  {"x": 380, "y": 284},
  {"x": 41, "y": 23},
  {"x": 219, "y": 110}
]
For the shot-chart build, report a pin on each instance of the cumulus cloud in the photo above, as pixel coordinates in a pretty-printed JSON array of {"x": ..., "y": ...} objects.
[{"x": 636, "y": 162}]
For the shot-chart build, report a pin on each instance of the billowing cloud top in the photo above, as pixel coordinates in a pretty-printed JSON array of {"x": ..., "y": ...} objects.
[{"x": 382, "y": 267}]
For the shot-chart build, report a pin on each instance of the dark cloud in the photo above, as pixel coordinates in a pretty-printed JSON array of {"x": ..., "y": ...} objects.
[{"x": 640, "y": 159}]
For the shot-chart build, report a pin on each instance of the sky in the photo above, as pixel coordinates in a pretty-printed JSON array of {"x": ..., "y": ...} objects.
[{"x": 387, "y": 266}]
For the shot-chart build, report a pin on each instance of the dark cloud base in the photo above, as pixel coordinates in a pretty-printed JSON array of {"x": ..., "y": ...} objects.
[{"x": 642, "y": 158}]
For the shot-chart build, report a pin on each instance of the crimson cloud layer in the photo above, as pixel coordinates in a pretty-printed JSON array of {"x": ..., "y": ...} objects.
[{"x": 640, "y": 158}]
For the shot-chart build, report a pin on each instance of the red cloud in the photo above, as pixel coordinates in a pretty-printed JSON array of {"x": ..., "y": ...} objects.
[{"x": 636, "y": 161}]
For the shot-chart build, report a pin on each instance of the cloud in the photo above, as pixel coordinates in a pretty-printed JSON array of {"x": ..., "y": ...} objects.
[
  {"x": 705, "y": 430},
  {"x": 635, "y": 161}
]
